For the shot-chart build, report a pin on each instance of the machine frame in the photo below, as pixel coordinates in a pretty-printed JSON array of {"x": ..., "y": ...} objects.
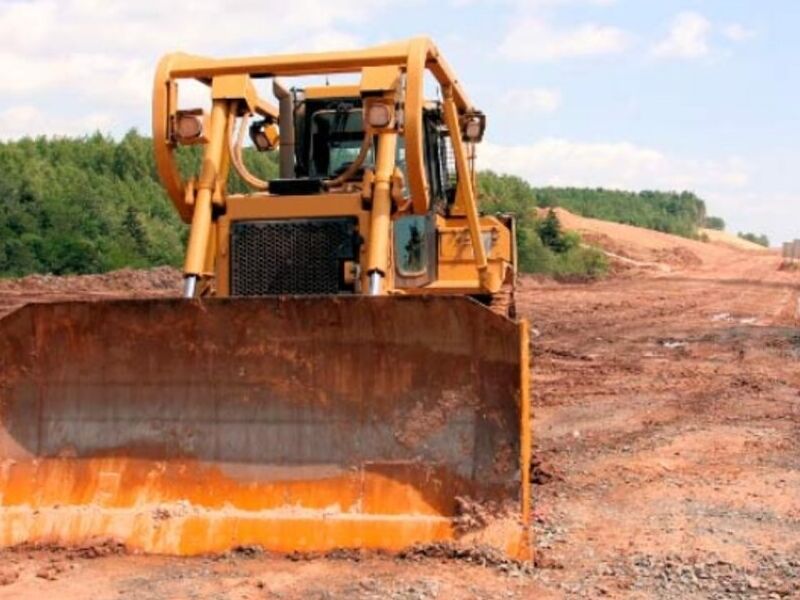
[{"x": 475, "y": 254}]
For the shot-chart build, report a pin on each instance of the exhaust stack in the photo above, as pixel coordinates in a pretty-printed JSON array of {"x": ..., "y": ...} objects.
[{"x": 286, "y": 126}]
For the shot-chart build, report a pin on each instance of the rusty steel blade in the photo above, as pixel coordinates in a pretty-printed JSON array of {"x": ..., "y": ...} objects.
[{"x": 187, "y": 427}]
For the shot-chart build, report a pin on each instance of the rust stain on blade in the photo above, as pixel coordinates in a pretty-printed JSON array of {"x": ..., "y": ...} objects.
[{"x": 326, "y": 416}]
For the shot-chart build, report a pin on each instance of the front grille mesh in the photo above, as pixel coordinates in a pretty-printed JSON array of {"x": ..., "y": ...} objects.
[{"x": 291, "y": 256}]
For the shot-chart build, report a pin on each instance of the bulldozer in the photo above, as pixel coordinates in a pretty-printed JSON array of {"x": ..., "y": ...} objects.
[{"x": 344, "y": 369}]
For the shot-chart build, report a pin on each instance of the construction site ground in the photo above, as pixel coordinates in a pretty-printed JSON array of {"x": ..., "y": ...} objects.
[{"x": 667, "y": 447}]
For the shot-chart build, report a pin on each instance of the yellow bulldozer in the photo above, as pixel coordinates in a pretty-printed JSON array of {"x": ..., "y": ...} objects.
[{"x": 343, "y": 371}]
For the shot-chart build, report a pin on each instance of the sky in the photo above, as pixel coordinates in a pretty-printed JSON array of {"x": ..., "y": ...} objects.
[{"x": 699, "y": 95}]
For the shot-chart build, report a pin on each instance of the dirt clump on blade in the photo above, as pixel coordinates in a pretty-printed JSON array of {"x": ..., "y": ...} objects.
[
  {"x": 424, "y": 421},
  {"x": 472, "y": 515}
]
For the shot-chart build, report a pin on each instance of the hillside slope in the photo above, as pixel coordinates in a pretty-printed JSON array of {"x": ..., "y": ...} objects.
[
  {"x": 728, "y": 239},
  {"x": 631, "y": 247}
]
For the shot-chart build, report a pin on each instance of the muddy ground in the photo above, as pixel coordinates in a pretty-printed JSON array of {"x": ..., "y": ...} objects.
[{"x": 667, "y": 439}]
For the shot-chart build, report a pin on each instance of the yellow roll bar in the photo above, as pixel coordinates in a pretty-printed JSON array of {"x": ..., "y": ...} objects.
[
  {"x": 233, "y": 94},
  {"x": 413, "y": 57}
]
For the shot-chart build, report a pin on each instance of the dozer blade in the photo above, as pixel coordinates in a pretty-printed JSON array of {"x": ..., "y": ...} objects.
[{"x": 294, "y": 424}]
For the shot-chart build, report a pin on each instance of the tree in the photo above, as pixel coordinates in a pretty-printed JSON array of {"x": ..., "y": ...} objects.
[
  {"x": 553, "y": 236},
  {"x": 714, "y": 223},
  {"x": 761, "y": 240},
  {"x": 92, "y": 204},
  {"x": 542, "y": 245},
  {"x": 134, "y": 229}
]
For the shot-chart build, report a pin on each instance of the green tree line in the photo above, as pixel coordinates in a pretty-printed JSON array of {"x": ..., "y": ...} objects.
[
  {"x": 760, "y": 239},
  {"x": 678, "y": 213},
  {"x": 90, "y": 204},
  {"x": 94, "y": 204}
]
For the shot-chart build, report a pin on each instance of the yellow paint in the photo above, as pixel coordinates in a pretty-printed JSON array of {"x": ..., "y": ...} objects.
[{"x": 319, "y": 92}]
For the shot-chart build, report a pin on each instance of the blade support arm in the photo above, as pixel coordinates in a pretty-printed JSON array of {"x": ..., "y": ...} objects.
[
  {"x": 200, "y": 233},
  {"x": 380, "y": 221}
]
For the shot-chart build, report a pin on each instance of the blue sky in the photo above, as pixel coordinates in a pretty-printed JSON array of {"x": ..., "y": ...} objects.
[{"x": 659, "y": 94}]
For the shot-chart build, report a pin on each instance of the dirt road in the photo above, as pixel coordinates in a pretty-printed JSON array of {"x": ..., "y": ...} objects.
[
  {"x": 668, "y": 417},
  {"x": 668, "y": 444}
]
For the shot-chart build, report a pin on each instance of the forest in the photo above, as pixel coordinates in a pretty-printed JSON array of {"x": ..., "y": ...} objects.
[
  {"x": 677, "y": 213},
  {"x": 90, "y": 205},
  {"x": 94, "y": 204}
]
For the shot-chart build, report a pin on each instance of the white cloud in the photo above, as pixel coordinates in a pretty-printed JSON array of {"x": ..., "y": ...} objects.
[
  {"x": 528, "y": 4},
  {"x": 19, "y": 121},
  {"x": 736, "y": 32},
  {"x": 534, "y": 4},
  {"x": 533, "y": 39},
  {"x": 111, "y": 79},
  {"x": 537, "y": 100},
  {"x": 106, "y": 50},
  {"x": 732, "y": 188},
  {"x": 25, "y": 25},
  {"x": 324, "y": 41},
  {"x": 687, "y": 38},
  {"x": 91, "y": 61},
  {"x": 620, "y": 165},
  {"x": 152, "y": 26}
]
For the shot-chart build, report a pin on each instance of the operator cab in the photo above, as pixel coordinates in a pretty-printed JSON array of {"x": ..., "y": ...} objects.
[{"x": 329, "y": 135}]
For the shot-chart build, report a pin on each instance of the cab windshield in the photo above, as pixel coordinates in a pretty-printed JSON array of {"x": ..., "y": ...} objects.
[
  {"x": 336, "y": 138},
  {"x": 335, "y": 142}
]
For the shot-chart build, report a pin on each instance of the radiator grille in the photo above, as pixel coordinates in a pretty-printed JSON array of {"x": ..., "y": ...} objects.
[{"x": 297, "y": 256}]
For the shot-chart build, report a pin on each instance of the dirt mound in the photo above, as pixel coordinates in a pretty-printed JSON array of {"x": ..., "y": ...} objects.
[
  {"x": 159, "y": 282},
  {"x": 728, "y": 239},
  {"x": 125, "y": 280},
  {"x": 678, "y": 256},
  {"x": 636, "y": 248}
]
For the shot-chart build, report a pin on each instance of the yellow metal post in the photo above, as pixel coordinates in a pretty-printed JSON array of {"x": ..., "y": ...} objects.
[
  {"x": 414, "y": 130},
  {"x": 465, "y": 192},
  {"x": 380, "y": 226},
  {"x": 200, "y": 233}
]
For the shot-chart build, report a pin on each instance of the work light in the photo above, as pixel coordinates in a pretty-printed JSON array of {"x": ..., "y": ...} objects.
[{"x": 379, "y": 115}]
